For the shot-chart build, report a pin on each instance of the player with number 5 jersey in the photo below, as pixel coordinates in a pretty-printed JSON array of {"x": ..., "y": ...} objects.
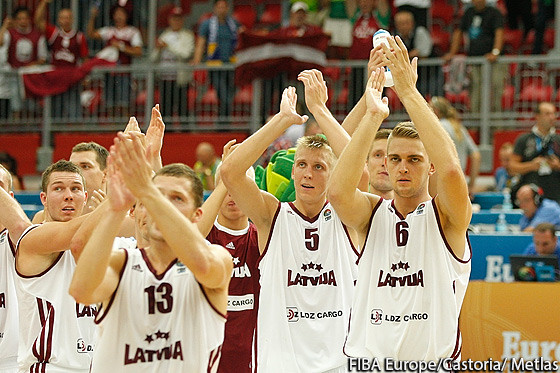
[
  {"x": 307, "y": 264},
  {"x": 415, "y": 262}
]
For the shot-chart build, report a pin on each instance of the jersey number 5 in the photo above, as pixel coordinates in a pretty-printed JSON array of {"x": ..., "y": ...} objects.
[
  {"x": 311, "y": 239},
  {"x": 402, "y": 233},
  {"x": 165, "y": 302}
]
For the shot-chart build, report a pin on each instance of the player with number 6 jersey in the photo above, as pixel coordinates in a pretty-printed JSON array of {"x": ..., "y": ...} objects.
[{"x": 415, "y": 263}]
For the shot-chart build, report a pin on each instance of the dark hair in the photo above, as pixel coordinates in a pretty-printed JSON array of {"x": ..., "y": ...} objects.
[
  {"x": 9, "y": 161},
  {"x": 20, "y": 9},
  {"x": 100, "y": 152},
  {"x": 115, "y": 7},
  {"x": 382, "y": 133},
  {"x": 61, "y": 166},
  {"x": 184, "y": 171}
]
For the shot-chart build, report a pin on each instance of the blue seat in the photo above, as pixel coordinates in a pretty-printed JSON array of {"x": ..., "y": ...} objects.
[
  {"x": 491, "y": 217},
  {"x": 488, "y": 200},
  {"x": 31, "y": 210},
  {"x": 28, "y": 198}
]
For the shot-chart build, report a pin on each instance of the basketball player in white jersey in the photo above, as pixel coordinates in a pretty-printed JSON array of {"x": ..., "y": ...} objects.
[
  {"x": 415, "y": 264},
  {"x": 379, "y": 182},
  {"x": 56, "y": 333},
  {"x": 163, "y": 307},
  {"x": 307, "y": 263},
  {"x": 13, "y": 222}
]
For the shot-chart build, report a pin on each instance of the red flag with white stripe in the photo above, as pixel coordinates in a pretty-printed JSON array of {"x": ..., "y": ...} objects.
[{"x": 265, "y": 56}]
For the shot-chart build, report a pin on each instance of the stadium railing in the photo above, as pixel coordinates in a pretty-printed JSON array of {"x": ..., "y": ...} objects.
[{"x": 198, "y": 104}]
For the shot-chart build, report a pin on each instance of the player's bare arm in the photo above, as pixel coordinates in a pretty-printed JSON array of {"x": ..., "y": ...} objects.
[
  {"x": 353, "y": 206},
  {"x": 316, "y": 97},
  {"x": 211, "y": 266},
  {"x": 452, "y": 191},
  {"x": 97, "y": 271},
  {"x": 353, "y": 118},
  {"x": 12, "y": 217},
  {"x": 258, "y": 205},
  {"x": 154, "y": 138},
  {"x": 41, "y": 246},
  {"x": 211, "y": 206}
]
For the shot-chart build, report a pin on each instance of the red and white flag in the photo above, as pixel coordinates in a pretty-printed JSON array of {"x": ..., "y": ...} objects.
[
  {"x": 265, "y": 56},
  {"x": 49, "y": 81}
]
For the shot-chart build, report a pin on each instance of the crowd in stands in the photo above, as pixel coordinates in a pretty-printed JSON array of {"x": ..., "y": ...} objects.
[{"x": 428, "y": 28}]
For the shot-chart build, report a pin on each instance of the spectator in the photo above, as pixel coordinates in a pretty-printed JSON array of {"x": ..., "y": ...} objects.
[
  {"x": 544, "y": 242},
  {"x": 536, "y": 208},
  {"x": 503, "y": 178},
  {"x": 466, "y": 148},
  {"x": 365, "y": 25},
  {"x": 128, "y": 42},
  {"x": 483, "y": 26},
  {"x": 419, "y": 43},
  {"x": 520, "y": 9},
  {"x": 68, "y": 47},
  {"x": 26, "y": 47},
  {"x": 298, "y": 25},
  {"x": 206, "y": 164},
  {"x": 535, "y": 154},
  {"x": 216, "y": 42},
  {"x": 10, "y": 164},
  {"x": 174, "y": 45},
  {"x": 5, "y": 84},
  {"x": 544, "y": 13},
  {"x": 419, "y": 9}
]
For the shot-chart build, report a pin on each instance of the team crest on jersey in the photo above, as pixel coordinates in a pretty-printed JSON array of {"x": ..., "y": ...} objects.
[
  {"x": 82, "y": 347},
  {"x": 292, "y": 313},
  {"x": 400, "y": 279},
  {"x": 327, "y": 214},
  {"x": 376, "y": 316},
  {"x": 420, "y": 209}
]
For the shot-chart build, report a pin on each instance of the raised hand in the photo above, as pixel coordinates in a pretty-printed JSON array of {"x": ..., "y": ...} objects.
[
  {"x": 95, "y": 200},
  {"x": 403, "y": 70},
  {"x": 288, "y": 107},
  {"x": 132, "y": 125},
  {"x": 154, "y": 138},
  {"x": 120, "y": 198},
  {"x": 229, "y": 148},
  {"x": 374, "y": 89},
  {"x": 316, "y": 95},
  {"x": 376, "y": 60},
  {"x": 129, "y": 155}
]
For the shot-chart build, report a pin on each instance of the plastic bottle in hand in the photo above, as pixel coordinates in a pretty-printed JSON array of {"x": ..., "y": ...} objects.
[{"x": 380, "y": 37}]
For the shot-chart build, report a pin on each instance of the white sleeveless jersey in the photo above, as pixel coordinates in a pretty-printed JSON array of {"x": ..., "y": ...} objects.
[
  {"x": 158, "y": 323},
  {"x": 410, "y": 288},
  {"x": 8, "y": 306},
  {"x": 307, "y": 272},
  {"x": 56, "y": 333}
]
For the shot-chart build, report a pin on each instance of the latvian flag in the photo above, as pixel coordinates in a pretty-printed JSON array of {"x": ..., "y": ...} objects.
[
  {"x": 265, "y": 56},
  {"x": 48, "y": 81}
]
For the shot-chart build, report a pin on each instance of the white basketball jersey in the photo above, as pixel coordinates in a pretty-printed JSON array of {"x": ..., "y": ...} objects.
[
  {"x": 410, "y": 288},
  {"x": 158, "y": 323},
  {"x": 56, "y": 333},
  {"x": 8, "y": 305},
  {"x": 307, "y": 272}
]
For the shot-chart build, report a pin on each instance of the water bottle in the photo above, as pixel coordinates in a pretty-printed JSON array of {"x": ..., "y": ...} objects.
[
  {"x": 506, "y": 205},
  {"x": 380, "y": 37},
  {"x": 501, "y": 224}
]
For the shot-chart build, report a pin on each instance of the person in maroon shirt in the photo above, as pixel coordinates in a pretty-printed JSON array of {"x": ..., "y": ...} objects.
[
  {"x": 68, "y": 47},
  {"x": 233, "y": 230},
  {"x": 26, "y": 47},
  {"x": 365, "y": 25},
  {"x": 298, "y": 23}
]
